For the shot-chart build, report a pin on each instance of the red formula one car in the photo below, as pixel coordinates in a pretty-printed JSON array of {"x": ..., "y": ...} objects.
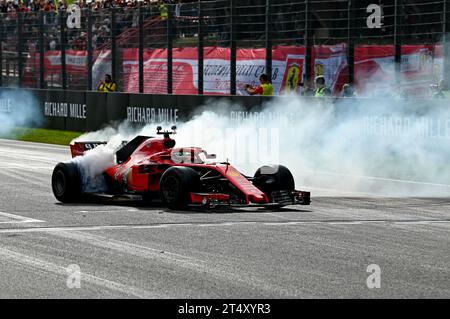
[{"x": 152, "y": 169}]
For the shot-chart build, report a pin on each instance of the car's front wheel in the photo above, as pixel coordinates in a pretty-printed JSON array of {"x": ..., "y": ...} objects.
[
  {"x": 274, "y": 178},
  {"x": 176, "y": 185}
]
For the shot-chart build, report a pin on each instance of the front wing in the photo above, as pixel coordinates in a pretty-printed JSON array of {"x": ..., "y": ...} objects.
[
  {"x": 279, "y": 199},
  {"x": 213, "y": 200}
]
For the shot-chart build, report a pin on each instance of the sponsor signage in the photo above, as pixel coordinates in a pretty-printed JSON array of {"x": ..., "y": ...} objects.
[
  {"x": 5, "y": 106},
  {"x": 64, "y": 109},
  {"x": 148, "y": 115},
  {"x": 75, "y": 111}
]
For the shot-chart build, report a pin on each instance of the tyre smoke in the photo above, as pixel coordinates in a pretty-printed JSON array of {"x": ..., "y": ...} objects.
[
  {"x": 18, "y": 108},
  {"x": 94, "y": 162},
  {"x": 385, "y": 147}
]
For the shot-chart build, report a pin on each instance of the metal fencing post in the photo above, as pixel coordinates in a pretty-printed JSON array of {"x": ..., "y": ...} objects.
[
  {"x": 41, "y": 51},
  {"x": 397, "y": 44},
  {"x": 89, "y": 50},
  {"x": 445, "y": 41},
  {"x": 20, "y": 47},
  {"x": 351, "y": 41},
  {"x": 233, "y": 48},
  {"x": 63, "y": 49},
  {"x": 169, "y": 51},
  {"x": 1, "y": 49},
  {"x": 200, "y": 49},
  {"x": 308, "y": 41},
  {"x": 268, "y": 41},
  {"x": 113, "y": 45},
  {"x": 141, "y": 49}
]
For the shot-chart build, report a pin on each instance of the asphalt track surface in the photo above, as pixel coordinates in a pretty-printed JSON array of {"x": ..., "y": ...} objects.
[{"x": 124, "y": 251}]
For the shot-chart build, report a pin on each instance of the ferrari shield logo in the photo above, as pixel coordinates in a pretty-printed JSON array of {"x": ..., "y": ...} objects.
[{"x": 293, "y": 75}]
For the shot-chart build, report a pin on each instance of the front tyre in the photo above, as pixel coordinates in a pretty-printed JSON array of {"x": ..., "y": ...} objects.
[
  {"x": 274, "y": 178},
  {"x": 176, "y": 186},
  {"x": 66, "y": 182}
]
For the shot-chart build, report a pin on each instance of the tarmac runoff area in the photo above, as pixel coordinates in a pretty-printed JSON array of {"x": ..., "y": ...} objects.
[{"x": 326, "y": 250}]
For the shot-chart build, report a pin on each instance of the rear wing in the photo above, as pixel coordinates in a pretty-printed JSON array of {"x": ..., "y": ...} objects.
[
  {"x": 127, "y": 148},
  {"x": 79, "y": 148}
]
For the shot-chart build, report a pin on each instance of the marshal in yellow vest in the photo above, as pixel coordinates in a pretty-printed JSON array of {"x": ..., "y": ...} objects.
[
  {"x": 267, "y": 89},
  {"x": 108, "y": 87}
]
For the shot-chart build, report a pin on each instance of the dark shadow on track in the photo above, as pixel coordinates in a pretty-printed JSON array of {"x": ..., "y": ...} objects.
[{"x": 148, "y": 206}]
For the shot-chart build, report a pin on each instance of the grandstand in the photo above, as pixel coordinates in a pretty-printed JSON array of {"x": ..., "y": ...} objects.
[{"x": 213, "y": 47}]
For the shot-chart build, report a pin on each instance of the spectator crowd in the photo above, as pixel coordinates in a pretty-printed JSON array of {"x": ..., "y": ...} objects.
[
  {"x": 217, "y": 22},
  {"x": 76, "y": 39},
  {"x": 12, "y": 6}
]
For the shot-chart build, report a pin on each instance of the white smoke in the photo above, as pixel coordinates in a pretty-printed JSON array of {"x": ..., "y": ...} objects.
[
  {"x": 95, "y": 161},
  {"x": 385, "y": 147},
  {"x": 92, "y": 165},
  {"x": 18, "y": 108}
]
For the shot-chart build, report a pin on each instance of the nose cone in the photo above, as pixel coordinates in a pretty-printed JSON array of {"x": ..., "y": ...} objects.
[{"x": 258, "y": 199}]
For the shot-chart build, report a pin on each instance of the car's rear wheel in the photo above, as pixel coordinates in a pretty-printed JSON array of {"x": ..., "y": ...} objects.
[
  {"x": 66, "y": 182},
  {"x": 274, "y": 178},
  {"x": 176, "y": 185}
]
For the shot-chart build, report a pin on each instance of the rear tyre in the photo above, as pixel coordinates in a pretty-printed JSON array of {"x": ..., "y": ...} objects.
[
  {"x": 176, "y": 185},
  {"x": 66, "y": 182},
  {"x": 272, "y": 178}
]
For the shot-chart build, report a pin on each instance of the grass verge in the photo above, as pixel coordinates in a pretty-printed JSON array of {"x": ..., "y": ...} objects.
[{"x": 40, "y": 135}]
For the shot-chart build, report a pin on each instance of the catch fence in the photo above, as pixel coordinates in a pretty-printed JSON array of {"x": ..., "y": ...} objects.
[{"x": 215, "y": 47}]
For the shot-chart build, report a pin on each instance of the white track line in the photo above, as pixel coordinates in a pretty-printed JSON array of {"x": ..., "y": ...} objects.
[
  {"x": 192, "y": 264},
  {"x": 17, "y": 219},
  {"x": 224, "y": 224},
  {"x": 5, "y": 142},
  {"x": 50, "y": 267},
  {"x": 25, "y": 180},
  {"x": 24, "y": 166},
  {"x": 132, "y": 249}
]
